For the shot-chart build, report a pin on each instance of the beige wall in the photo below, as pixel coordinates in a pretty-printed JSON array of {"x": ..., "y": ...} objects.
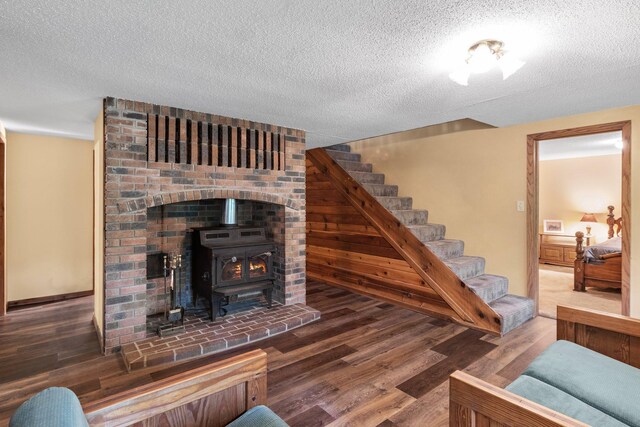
[
  {"x": 49, "y": 216},
  {"x": 98, "y": 189},
  {"x": 571, "y": 187},
  {"x": 470, "y": 181}
]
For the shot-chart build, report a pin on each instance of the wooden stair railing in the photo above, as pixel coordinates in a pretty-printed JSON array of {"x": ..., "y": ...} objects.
[{"x": 473, "y": 311}]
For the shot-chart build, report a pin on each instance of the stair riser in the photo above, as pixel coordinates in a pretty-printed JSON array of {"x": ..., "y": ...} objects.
[
  {"x": 382, "y": 190},
  {"x": 396, "y": 203},
  {"x": 339, "y": 147},
  {"x": 469, "y": 269},
  {"x": 413, "y": 217},
  {"x": 355, "y": 166},
  {"x": 489, "y": 287},
  {"x": 343, "y": 155},
  {"x": 515, "y": 310},
  {"x": 450, "y": 249},
  {"x": 368, "y": 178},
  {"x": 428, "y": 233}
]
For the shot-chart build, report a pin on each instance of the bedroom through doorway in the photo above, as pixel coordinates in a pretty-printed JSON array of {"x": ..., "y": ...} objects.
[
  {"x": 581, "y": 186},
  {"x": 580, "y": 177}
]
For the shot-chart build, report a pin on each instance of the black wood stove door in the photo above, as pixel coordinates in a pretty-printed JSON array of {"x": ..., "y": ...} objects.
[
  {"x": 231, "y": 270},
  {"x": 260, "y": 265}
]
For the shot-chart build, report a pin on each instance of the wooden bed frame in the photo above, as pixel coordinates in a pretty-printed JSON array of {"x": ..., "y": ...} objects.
[
  {"x": 212, "y": 395},
  {"x": 474, "y": 402},
  {"x": 606, "y": 274}
]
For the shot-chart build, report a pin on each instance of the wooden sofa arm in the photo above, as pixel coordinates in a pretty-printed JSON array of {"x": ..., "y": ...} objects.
[
  {"x": 211, "y": 395},
  {"x": 613, "y": 335},
  {"x": 473, "y": 402}
]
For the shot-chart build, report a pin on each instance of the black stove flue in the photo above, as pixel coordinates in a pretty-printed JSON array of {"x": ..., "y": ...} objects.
[{"x": 229, "y": 261}]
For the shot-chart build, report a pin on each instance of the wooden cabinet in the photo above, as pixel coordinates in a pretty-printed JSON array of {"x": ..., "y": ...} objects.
[{"x": 557, "y": 249}]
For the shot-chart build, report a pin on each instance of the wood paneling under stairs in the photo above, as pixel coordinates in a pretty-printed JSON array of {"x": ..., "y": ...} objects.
[
  {"x": 355, "y": 243},
  {"x": 364, "y": 363}
]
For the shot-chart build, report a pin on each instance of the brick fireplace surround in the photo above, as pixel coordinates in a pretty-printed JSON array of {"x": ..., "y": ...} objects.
[{"x": 157, "y": 155}]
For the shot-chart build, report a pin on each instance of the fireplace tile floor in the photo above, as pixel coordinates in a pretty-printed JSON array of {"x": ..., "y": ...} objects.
[{"x": 239, "y": 327}]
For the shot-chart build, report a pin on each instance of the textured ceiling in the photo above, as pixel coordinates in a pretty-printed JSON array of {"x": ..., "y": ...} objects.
[{"x": 341, "y": 70}]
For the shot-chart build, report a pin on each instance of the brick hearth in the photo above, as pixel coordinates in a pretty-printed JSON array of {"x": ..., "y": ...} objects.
[{"x": 202, "y": 337}]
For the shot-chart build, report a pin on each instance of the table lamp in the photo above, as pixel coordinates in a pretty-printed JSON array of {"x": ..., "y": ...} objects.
[{"x": 588, "y": 218}]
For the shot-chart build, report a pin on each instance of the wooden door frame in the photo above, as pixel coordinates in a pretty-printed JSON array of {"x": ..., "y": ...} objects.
[{"x": 533, "y": 205}]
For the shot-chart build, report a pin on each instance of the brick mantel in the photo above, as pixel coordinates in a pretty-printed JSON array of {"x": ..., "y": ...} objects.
[{"x": 139, "y": 175}]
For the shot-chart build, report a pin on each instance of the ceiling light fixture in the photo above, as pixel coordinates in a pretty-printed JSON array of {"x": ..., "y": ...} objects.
[{"x": 483, "y": 56}]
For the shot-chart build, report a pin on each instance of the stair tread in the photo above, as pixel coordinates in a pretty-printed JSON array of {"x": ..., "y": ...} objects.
[
  {"x": 411, "y": 217},
  {"x": 367, "y": 177},
  {"x": 394, "y": 211},
  {"x": 381, "y": 189},
  {"x": 446, "y": 248},
  {"x": 395, "y": 202},
  {"x": 339, "y": 147},
  {"x": 428, "y": 232},
  {"x": 514, "y": 309},
  {"x": 344, "y": 155},
  {"x": 489, "y": 287},
  {"x": 427, "y": 225},
  {"x": 355, "y": 166},
  {"x": 466, "y": 266}
]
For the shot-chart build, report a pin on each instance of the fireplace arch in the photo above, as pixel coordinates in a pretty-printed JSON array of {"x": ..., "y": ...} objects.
[{"x": 141, "y": 203}]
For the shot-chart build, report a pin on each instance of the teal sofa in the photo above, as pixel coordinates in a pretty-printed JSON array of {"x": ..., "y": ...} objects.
[
  {"x": 208, "y": 396},
  {"x": 589, "y": 376},
  {"x": 582, "y": 384},
  {"x": 59, "y": 407}
]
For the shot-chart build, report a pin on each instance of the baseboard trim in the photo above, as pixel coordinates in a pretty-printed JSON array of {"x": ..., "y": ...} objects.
[{"x": 47, "y": 299}]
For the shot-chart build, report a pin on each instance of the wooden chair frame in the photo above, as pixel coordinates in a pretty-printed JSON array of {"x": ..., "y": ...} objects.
[
  {"x": 474, "y": 402},
  {"x": 212, "y": 395}
]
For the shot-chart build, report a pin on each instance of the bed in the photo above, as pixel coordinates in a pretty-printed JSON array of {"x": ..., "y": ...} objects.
[{"x": 600, "y": 265}]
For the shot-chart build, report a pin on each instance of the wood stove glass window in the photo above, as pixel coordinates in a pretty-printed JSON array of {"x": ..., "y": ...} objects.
[
  {"x": 231, "y": 269},
  {"x": 258, "y": 265}
]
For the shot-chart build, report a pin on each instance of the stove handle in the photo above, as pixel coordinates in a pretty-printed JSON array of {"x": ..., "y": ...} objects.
[
  {"x": 205, "y": 276},
  {"x": 264, "y": 253}
]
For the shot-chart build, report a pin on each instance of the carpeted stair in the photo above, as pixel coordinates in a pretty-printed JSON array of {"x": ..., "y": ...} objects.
[{"x": 515, "y": 310}]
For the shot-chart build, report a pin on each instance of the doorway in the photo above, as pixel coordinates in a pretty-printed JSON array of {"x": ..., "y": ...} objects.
[{"x": 534, "y": 232}]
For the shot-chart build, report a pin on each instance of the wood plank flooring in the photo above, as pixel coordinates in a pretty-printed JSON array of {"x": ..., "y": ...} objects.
[{"x": 365, "y": 363}]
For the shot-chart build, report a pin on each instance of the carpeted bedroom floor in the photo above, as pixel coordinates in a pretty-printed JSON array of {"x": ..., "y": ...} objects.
[{"x": 556, "y": 288}]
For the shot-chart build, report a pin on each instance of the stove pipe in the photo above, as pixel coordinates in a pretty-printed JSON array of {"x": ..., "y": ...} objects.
[{"x": 229, "y": 213}]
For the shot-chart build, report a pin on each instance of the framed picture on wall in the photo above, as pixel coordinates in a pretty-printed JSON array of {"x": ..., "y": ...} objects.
[{"x": 553, "y": 226}]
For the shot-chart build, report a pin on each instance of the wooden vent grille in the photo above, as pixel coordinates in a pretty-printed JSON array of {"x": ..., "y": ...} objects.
[{"x": 185, "y": 141}]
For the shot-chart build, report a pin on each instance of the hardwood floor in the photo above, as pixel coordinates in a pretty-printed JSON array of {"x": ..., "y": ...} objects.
[{"x": 365, "y": 363}]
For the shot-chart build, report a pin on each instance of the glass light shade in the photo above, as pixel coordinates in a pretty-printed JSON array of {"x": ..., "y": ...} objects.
[
  {"x": 509, "y": 65},
  {"x": 482, "y": 59},
  {"x": 461, "y": 76}
]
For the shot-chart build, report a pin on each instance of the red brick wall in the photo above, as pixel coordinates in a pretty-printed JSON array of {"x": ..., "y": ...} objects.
[{"x": 133, "y": 185}]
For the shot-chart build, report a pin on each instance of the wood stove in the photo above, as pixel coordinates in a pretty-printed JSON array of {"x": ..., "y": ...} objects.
[{"x": 229, "y": 261}]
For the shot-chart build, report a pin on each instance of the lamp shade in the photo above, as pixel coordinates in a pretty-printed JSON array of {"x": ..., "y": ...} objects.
[{"x": 588, "y": 217}]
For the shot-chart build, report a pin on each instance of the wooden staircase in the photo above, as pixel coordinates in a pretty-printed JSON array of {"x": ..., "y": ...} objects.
[{"x": 362, "y": 236}]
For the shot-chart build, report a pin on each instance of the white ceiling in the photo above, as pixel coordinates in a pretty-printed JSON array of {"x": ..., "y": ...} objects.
[
  {"x": 602, "y": 144},
  {"x": 341, "y": 70}
]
